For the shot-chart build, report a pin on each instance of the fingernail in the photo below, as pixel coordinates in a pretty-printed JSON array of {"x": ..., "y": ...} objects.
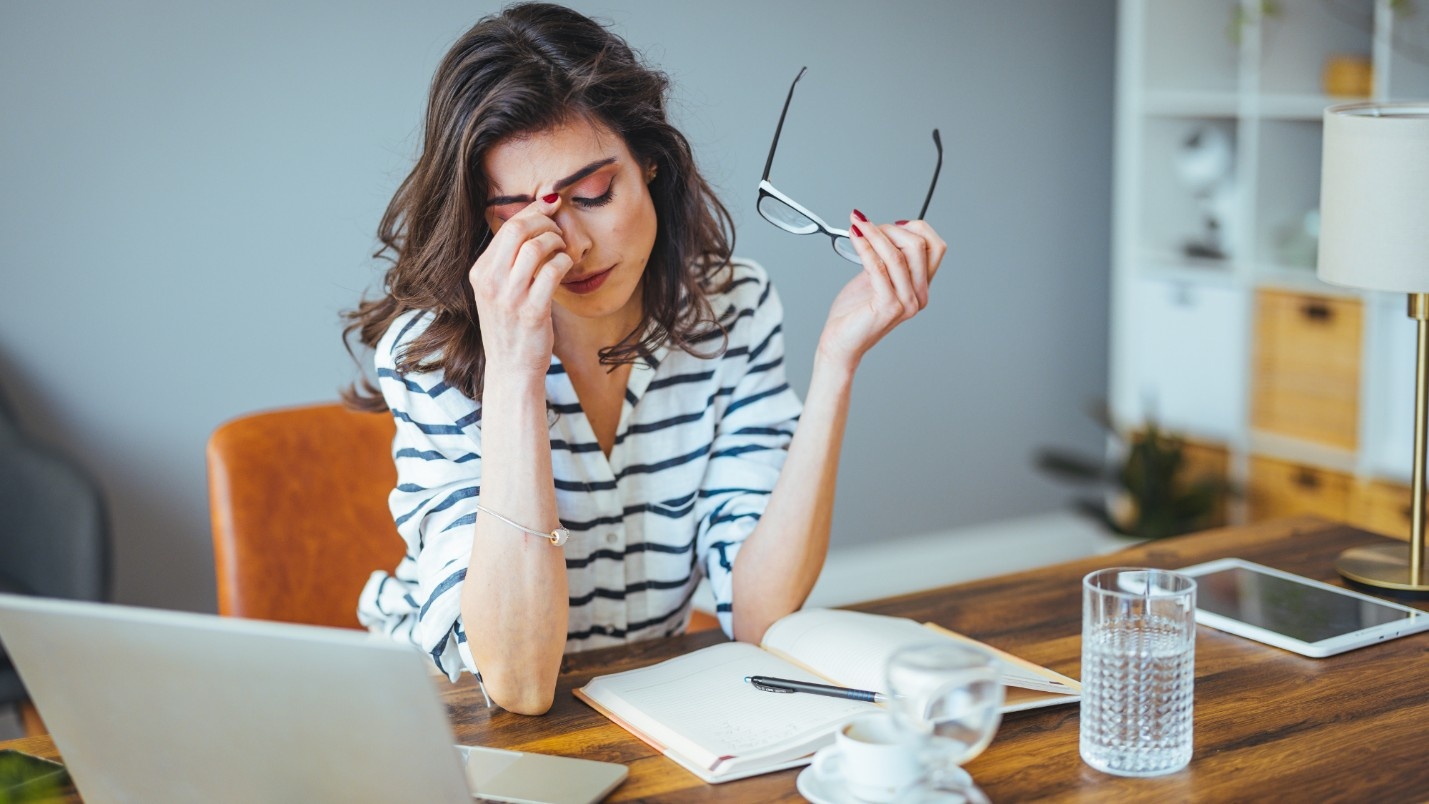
[
  {"x": 552, "y": 198},
  {"x": 901, "y": 223},
  {"x": 860, "y": 216},
  {"x": 856, "y": 232}
]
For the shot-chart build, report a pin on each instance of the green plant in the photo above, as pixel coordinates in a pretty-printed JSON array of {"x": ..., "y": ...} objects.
[{"x": 1146, "y": 488}]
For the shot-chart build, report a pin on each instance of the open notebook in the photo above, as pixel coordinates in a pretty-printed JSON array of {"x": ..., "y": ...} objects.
[{"x": 697, "y": 709}]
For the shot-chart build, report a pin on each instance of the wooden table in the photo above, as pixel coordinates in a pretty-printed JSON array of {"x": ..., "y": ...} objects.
[{"x": 1268, "y": 723}]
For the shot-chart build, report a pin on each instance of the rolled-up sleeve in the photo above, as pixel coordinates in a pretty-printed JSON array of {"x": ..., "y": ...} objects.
[
  {"x": 437, "y": 452},
  {"x": 751, "y": 438}
]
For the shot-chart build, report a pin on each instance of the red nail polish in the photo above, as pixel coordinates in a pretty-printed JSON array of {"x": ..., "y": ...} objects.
[
  {"x": 860, "y": 216},
  {"x": 552, "y": 198},
  {"x": 856, "y": 232},
  {"x": 901, "y": 223}
]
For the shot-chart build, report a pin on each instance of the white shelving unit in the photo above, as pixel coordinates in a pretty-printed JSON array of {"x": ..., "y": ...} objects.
[{"x": 1183, "y": 328}]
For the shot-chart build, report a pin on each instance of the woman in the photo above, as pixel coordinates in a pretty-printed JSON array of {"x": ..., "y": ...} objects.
[{"x": 565, "y": 341}]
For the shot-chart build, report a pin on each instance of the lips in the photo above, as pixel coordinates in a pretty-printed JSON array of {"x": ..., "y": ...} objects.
[{"x": 588, "y": 283}]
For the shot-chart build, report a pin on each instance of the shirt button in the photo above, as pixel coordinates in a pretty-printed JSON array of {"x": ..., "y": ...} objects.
[{"x": 612, "y": 538}]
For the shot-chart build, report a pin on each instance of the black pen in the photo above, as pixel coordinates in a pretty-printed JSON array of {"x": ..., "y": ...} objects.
[{"x": 768, "y": 684}]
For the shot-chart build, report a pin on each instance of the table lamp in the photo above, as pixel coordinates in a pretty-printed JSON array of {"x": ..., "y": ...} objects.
[{"x": 1374, "y": 233}]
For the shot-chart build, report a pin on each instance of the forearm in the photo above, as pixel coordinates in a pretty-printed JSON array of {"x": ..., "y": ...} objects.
[
  {"x": 781, "y": 559},
  {"x": 514, "y": 601}
]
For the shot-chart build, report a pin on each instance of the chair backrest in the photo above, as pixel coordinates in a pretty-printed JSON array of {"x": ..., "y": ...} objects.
[
  {"x": 299, "y": 508},
  {"x": 54, "y": 534}
]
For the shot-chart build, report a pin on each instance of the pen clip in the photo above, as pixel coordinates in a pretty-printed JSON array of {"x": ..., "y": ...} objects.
[{"x": 760, "y": 685}]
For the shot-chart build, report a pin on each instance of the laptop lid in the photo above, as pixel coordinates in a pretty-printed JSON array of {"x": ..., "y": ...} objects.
[{"x": 150, "y": 705}]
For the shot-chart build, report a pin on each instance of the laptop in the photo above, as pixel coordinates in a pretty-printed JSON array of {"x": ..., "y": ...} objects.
[{"x": 159, "y": 706}]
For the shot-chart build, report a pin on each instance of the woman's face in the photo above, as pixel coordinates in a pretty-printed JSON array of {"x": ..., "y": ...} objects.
[{"x": 606, "y": 215}]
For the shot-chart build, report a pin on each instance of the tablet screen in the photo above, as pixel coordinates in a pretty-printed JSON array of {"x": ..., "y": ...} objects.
[{"x": 1281, "y": 605}]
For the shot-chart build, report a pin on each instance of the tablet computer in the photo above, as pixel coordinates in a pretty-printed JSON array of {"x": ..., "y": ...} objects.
[{"x": 1293, "y": 612}]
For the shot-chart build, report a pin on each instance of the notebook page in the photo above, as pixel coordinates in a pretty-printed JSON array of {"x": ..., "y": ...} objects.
[
  {"x": 1017, "y": 671},
  {"x": 850, "y": 648},
  {"x": 699, "y": 704}
]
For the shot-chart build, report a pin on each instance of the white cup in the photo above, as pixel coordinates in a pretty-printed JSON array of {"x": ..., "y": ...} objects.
[{"x": 872, "y": 759}]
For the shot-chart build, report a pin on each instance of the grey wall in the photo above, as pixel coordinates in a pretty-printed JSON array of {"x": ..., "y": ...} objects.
[{"x": 188, "y": 195}]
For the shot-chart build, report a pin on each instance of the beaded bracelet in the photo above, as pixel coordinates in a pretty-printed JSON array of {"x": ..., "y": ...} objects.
[{"x": 556, "y": 537}]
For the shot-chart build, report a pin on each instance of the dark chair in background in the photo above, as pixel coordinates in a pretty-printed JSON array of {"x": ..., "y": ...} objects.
[{"x": 54, "y": 535}]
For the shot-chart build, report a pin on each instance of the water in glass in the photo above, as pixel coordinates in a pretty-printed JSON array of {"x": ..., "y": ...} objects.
[{"x": 1138, "y": 672}]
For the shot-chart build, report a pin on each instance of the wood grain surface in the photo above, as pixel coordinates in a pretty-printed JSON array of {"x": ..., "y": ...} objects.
[{"x": 1268, "y": 723}]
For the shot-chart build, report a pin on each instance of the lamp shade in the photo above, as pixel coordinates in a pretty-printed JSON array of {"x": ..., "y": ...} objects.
[{"x": 1374, "y": 197}]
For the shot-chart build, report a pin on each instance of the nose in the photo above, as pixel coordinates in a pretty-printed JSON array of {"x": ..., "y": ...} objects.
[{"x": 574, "y": 232}]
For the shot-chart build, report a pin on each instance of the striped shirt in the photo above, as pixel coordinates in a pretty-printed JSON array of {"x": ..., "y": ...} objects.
[{"x": 699, "y": 446}]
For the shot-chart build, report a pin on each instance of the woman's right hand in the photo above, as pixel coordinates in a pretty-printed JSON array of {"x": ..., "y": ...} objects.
[{"x": 514, "y": 280}]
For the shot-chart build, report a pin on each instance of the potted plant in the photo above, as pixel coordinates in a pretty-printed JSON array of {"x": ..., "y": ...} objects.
[{"x": 1146, "y": 488}]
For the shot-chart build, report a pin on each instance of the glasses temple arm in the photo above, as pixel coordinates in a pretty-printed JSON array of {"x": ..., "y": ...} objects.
[
  {"x": 768, "y": 163},
  {"x": 937, "y": 141}
]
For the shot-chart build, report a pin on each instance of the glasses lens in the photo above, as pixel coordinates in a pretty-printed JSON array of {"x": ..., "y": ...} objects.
[
  {"x": 845, "y": 248},
  {"x": 785, "y": 217}
]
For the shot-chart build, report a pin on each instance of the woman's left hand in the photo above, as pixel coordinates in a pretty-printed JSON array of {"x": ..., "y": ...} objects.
[{"x": 899, "y": 262}]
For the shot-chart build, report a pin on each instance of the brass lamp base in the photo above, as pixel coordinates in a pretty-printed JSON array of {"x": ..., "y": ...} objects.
[
  {"x": 1402, "y": 568},
  {"x": 1385, "y": 566}
]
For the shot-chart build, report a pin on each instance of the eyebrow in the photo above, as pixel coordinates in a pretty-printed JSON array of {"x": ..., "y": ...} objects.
[{"x": 560, "y": 184}]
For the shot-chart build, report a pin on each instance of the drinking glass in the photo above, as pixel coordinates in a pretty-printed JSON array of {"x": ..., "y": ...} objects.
[
  {"x": 1138, "y": 670},
  {"x": 947, "y": 701}
]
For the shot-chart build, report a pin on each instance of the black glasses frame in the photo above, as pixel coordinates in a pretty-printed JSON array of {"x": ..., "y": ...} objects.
[{"x": 843, "y": 246}]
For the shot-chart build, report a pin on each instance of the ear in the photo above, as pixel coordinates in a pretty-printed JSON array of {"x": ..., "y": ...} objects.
[{"x": 651, "y": 171}]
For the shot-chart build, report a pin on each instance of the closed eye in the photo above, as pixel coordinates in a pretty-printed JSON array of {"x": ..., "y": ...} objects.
[{"x": 599, "y": 201}]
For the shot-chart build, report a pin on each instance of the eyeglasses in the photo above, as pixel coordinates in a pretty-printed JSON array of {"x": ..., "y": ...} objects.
[{"x": 791, "y": 216}]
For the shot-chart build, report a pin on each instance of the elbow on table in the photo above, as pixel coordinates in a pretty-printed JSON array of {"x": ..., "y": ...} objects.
[
  {"x": 523, "y": 698},
  {"x": 518, "y": 675},
  {"x": 749, "y": 626}
]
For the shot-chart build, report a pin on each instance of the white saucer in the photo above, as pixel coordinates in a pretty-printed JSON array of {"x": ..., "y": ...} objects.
[{"x": 820, "y": 789}]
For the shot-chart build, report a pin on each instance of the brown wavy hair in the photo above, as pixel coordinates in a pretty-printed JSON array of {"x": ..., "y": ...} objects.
[{"x": 526, "y": 69}]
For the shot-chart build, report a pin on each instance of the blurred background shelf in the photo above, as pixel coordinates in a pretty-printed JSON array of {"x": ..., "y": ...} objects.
[
  {"x": 1191, "y": 103},
  {"x": 1221, "y": 331}
]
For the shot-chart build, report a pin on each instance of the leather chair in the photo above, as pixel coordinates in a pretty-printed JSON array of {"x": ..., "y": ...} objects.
[
  {"x": 300, "y": 517},
  {"x": 298, "y": 499}
]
